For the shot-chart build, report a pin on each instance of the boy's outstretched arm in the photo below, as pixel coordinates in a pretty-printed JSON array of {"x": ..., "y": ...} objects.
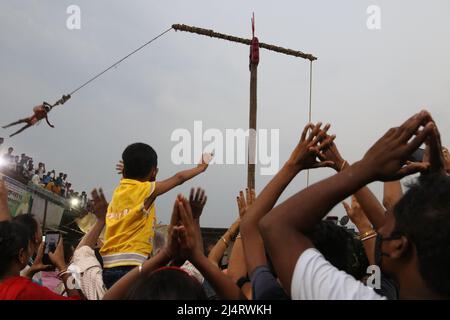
[
  {"x": 179, "y": 178},
  {"x": 183, "y": 176},
  {"x": 384, "y": 161}
]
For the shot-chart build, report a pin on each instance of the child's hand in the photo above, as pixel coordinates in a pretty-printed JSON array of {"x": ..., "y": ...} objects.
[
  {"x": 205, "y": 160},
  {"x": 197, "y": 202},
  {"x": 119, "y": 167}
]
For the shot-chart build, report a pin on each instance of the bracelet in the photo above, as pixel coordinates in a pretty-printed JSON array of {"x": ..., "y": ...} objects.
[
  {"x": 366, "y": 234},
  {"x": 61, "y": 273},
  {"x": 368, "y": 237},
  {"x": 224, "y": 241},
  {"x": 238, "y": 236},
  {"x": 343, "y": 165}
]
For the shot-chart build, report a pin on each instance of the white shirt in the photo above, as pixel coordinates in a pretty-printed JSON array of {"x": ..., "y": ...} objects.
[
  {"x": 87, "y": 273},
  {"x": 315, "y": 278}
]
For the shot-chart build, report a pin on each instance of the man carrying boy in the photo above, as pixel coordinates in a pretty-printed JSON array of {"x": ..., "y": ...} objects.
[{"x": 130, "y": 219}]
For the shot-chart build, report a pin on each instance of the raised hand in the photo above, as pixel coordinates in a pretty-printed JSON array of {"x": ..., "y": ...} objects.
[
  {"x": 332, "y": 154},
  {"x": 119, "y": 167},
  {"x": 387, "y": 159},
  {"x": 173, "y": 232},
  {"x": 205, "y": 160},
  {"x": 197, "y": 200},
  {"x": 244, "y": 202},
  {"x": 189, "y": 245},
  {"x": 357, "y": 214},
  {"x": 38, "y": 265},
  {"x": 310, "y": 148},
  {"x": 99, "y": 204},
  {"x": 435, "y": 150}
]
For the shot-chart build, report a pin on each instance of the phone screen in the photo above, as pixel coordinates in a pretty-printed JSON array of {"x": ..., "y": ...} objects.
[{"x": 51, "y": 241}]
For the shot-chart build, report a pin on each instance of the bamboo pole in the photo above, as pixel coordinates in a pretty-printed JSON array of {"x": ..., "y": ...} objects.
[{"x": 213, "y": 34}]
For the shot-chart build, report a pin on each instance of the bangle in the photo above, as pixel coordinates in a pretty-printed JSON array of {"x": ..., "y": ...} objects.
[
  {"x": 369, "y": 237},
  {"x": 367, "y": 234},
  {"x": 61, "y": 273},
  {"x": 343, "y": 165},
  {"x": 224, "y": 241}
]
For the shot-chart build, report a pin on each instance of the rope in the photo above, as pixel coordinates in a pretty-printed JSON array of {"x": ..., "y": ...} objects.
[
  {"x": 310, "y": 108},
  {"x": 116, "y": 63}
]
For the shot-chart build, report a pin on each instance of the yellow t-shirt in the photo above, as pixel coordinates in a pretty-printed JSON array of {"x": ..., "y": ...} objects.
[{"x": 129, "y": 227}]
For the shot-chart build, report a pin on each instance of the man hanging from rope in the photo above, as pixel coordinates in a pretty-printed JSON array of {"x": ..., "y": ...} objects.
[{"x": 40, "y": 112}]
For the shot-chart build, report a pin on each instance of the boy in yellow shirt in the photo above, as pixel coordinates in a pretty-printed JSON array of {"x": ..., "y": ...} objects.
[{"x": 130, "y": 219}]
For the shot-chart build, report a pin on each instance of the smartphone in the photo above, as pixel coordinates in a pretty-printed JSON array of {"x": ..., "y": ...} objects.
[
  {"x": 51, "y": 239},
  {"x": 417, "y": 155}
]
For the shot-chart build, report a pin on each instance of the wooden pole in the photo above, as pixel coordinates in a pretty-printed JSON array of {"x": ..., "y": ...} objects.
[
  {"x": 254, "y": 59},
  {"x": 252, "y": 126}
]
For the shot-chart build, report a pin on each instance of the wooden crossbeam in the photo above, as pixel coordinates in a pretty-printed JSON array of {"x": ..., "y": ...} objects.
[{"x": 213, "y": 34}]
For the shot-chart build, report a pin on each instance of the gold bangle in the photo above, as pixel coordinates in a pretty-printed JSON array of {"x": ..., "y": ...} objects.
[
  {"x": 343, "y": 165},
  {"x": 366, "y": 234},
  {"x": 225, "y": 241},
  {"x": 368, "y": 237}
]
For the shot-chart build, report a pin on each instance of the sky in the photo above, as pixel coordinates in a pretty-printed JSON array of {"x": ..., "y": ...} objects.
[{"x": 364, "y": 81}]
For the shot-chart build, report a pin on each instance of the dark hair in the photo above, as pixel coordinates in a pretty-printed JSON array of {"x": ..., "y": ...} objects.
[
  {"x": 423, "y": 216},
  {"x": 13, "y": 238},
  {"x": 169, "y": 283},
  {"x": 339, "y": 246},
  {"x": 28, "y": 222},
  {"x": 138, "y": 160}
]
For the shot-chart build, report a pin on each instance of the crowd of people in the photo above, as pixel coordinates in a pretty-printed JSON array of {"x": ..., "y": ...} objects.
[
  {"x": 279, "y": 252},
  {"x": 23, "y": 169}
]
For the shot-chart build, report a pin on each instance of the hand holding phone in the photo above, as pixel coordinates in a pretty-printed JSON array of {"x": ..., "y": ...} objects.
[{"x": 52, "y": 239}]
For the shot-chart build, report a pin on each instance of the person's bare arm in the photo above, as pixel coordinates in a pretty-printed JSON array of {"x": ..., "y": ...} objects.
[
  {"x": 300, "y": 159},
  {"x": 4, "y": 210},
  {"x": 57, "y": 258},
  {"x": 392, "y": 192},
  {"x": 237, "y": 266},
  {"x": 191, "y": 250},
  {"x": 182, "y": 176},
  {"x": 359, "y": 218},
  {"x": 384, "y": 161},
  {"x": 370, "y": 204},
  {"x": 372, "y": 207},
  {"x": 100, "y": 208},
  {"x": 217, "y": 252}
]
